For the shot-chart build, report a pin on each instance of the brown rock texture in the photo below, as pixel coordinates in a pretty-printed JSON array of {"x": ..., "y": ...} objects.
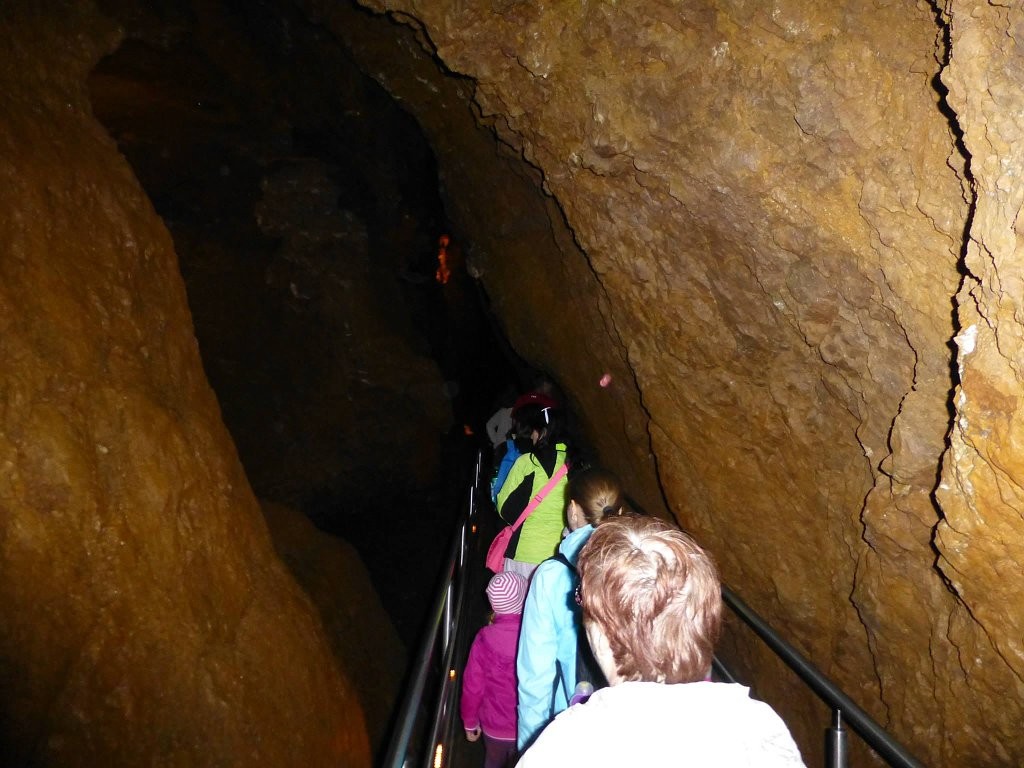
[
  {"x": 517, "y": 243},
  {"x": 146, "y": 619},
  {"x": 309, "y": 334},
  {"x": 787, "y": 230},
  {"x": 364, "y": 640},
  {"x": 979, "y": 539},
  {"x": 755, "y": 216},
  {"x": 305, "y": 215}
]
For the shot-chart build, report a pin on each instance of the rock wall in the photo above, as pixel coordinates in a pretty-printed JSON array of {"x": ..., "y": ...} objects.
[
  {"x": 979, "y": 542},
  {"x": 145, "y": 615},
  {"x": 756, "y": 216},
  {"x": 308, "y": 255},
  {"x": 361, "y": 633},
  {"x": 792, "y": 247}
]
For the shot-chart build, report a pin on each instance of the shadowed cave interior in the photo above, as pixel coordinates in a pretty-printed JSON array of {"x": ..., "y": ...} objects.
[{"x": 304, "y": 207}]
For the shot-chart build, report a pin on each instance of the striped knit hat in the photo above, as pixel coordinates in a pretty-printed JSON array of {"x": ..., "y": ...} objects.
[{"x": 507, "y": 592}]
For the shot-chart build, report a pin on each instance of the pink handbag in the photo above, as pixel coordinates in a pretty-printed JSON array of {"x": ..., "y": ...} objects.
[{"x": 496, "y": 552}]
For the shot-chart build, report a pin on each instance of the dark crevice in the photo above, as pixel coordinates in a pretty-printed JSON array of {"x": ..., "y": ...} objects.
[{"x": 970, "y": 197}]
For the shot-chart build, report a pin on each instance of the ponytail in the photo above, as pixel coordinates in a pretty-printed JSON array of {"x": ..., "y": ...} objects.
[{"x": 598, "y": 493}]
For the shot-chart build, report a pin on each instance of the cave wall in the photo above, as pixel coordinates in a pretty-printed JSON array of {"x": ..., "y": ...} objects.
[
  {"x": 361, "y": 633},
  {"x": 791, "y": 248},
  {"x": 305, "y": 215},
  {"x": 979, "y": 538},
  {"x": 145, "y": 614},
  {"x": 756, "y": 217}
]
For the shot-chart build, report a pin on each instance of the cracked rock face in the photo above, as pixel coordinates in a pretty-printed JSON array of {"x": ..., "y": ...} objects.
[
  {"x": 979, "y": 538},
  {"x": 768, "y": 204}
]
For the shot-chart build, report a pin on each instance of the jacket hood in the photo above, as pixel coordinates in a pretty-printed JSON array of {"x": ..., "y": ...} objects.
[{"x": 573, "y": 543}]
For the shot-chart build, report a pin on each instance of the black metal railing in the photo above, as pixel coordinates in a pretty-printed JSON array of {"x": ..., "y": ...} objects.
[
  {"x": 416, "y": 741},
  {"x": 843, "y": 707}
]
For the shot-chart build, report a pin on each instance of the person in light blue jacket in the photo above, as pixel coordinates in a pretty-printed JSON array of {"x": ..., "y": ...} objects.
[{"x": 546, "y": 662}]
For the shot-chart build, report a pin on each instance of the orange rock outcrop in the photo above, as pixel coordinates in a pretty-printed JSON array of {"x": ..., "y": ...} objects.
[{"x": 146, "y": 619}]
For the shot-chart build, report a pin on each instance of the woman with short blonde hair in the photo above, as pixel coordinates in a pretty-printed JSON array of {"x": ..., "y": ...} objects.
[
  {"x": 652, "y": 610},
  {"x": 668, "y": 587}
]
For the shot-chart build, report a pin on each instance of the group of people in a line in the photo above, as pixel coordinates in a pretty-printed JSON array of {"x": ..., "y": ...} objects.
[{"x": 593, "y": 593}]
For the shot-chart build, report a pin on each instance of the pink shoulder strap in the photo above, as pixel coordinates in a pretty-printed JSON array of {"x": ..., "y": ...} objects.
[{"x": 536, "y": 500}]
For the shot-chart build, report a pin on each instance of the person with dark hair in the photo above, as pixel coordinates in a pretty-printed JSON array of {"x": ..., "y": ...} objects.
[
  {"x": 652, "y": 610},
  {"x": 546, "y": 665},
  {"x": 546, "y": 456}
]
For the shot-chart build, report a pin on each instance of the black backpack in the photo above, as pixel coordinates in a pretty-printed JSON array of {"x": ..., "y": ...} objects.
[{"x": 587, "y": 668}]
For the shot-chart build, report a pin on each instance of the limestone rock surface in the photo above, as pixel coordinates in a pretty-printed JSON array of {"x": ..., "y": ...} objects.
[
  {"x": 787, "y": 230},
  {"x": 145, "y": 614},
  {"x": 361, "y": 634},
  {"x": 979, "y": 539},
  {"x": 538, "y": 282},
  {"x": 308, "y": 257},
  {"x": 769, "y": 205},
  {"x": 305, "y": 213}
]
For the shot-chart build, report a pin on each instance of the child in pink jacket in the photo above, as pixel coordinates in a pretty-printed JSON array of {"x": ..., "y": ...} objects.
[{"x": 489, "y": 681}]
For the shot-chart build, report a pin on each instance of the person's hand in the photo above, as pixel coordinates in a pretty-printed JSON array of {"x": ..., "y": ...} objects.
[{"x": 473, "y": 735}]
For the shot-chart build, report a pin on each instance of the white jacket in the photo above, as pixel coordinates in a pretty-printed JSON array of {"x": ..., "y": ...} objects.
[{"x": 693, "y": 725}]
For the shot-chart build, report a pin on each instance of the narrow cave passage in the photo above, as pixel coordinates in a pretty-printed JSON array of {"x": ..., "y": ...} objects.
[
  {"x": 304, "y": 207},
  {"x": 758, "y": 222}
]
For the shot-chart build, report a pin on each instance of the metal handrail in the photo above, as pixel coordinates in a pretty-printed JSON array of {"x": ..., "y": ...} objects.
[
  {"x": 843, "y": 707},
  {"x": 441, "y": 639}
]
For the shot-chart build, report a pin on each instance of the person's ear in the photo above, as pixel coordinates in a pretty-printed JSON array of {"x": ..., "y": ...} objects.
[
  {"x": 573, "y": 515},
  {"x": 602, "y": 652}
]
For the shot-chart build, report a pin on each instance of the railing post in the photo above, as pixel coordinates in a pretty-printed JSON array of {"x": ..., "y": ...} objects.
[
  {"x": 835, "y": 742},
  {"x": 462, "y": 544}
]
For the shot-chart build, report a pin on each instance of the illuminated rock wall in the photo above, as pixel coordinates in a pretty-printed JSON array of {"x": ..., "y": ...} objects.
[
  {"x": 979, "y": 539},
  {"x": 145, "y": 618},
  {"x": 768, "y": 223},
  {"x": 765, "y": 210}
]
